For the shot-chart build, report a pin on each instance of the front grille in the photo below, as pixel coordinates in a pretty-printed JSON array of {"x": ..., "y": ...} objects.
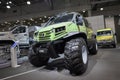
[{"x": 44, "y": 35}]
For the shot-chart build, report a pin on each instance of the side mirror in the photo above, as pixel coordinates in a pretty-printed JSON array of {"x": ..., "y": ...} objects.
[
  {"x": 79, "y": 23},
  {"x": 115, "y": 34}
]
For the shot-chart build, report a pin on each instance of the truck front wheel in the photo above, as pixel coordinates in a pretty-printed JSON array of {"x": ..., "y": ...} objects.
[
  {"x": 37, "y": 60},
  {"x": 76, "y": 56}
]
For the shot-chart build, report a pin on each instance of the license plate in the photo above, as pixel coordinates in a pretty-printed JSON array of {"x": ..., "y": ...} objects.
[{"x": 104, "y": 42}]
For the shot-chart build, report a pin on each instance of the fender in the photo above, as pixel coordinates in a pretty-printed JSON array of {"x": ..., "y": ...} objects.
[{"x": 72, "y": 35}]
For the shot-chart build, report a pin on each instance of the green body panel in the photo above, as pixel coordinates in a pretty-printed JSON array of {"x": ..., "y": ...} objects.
[
  {"x": 69, "y": 27},
  {"x": 48, "y": 33},
  {"x": 89, "y": 33},
  {"x": 72, "y": 27}
]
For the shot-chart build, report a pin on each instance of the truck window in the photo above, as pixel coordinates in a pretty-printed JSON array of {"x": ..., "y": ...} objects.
[
  {"x": 64, "y": 18},
  {"x": 19, "y": 30},
  {"x": 22, "y": 29},
  {"x": 104, "y": 33},
  {"x": 16, "y": 31}
]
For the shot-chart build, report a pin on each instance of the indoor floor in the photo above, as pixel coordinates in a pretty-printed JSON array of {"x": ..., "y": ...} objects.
[{"x": 103, "y": 66}]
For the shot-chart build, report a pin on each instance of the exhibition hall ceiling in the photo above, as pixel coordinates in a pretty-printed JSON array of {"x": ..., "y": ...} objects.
[{"x": 7, "y": 4}]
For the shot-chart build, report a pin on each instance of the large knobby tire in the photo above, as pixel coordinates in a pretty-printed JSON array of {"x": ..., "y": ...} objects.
[
  {"x": 94, "y": 48},
  {"x": 36, "y": 59},
  {"x": 76, "y": 56}
]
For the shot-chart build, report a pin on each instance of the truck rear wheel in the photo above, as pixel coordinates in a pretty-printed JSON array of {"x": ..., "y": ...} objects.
[
  {"x": 37, "y": 60},
  {"x": 76, "y": 56},
  {"x": 114, "y": 45},
  {"x": 94, "y": 48}
]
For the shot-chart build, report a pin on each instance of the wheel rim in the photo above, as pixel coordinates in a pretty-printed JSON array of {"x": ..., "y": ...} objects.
[{"x": 84, "y": 54}]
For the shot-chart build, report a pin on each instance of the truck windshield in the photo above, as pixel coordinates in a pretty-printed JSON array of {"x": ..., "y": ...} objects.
[
  {"x": 12, "y": 28},
  {"x": 59, "y": 19},
  {"x": 104, "y": 33}
]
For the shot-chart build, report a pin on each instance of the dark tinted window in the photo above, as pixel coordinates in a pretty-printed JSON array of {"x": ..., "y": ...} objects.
[
  {"x": 22, "y": 29},
  {"x": 102, "y": 33},
  {"x": 19, "y": 30},
  {"x": 64, "y": 18}
]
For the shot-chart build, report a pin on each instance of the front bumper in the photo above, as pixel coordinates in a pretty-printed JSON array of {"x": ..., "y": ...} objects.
[
  {"x": 105, "y": 43},
  {"x": 47, "y": 48}
]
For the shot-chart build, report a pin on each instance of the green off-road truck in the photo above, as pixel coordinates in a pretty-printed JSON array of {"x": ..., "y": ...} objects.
[{"x": 68, "y": 34}]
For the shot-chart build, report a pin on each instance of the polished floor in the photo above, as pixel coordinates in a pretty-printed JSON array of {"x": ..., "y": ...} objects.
[{"x": 103, "y": 66}]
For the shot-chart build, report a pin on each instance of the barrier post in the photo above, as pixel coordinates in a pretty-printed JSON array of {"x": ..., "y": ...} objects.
[{"x": 13, "y": 50}]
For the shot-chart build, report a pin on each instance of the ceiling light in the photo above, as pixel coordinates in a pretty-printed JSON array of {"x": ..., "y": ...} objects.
[
  {"x": 8, "y": 7},
  {"x": 101, "y": 9},
  {"x": 17, "y": 20},
  {"x": 84, "y": 11},
  {"x": 7, "y": 3},
  {"x": 32, "y": 19},
  {"x": 6, "y": 22},
  {"x": 40, "y": 18},
  {"x": 45, "y": 16},
  {"x": 43, "y": 20},
  {"x": 10, "y": 2},
  {"x": 28, "y": 22},
  {"x": 0, "y": 2},
  {"x": 28, "y": 2}
]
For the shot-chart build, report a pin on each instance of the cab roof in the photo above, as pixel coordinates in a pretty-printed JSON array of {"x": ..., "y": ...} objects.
[{"x": 106, "y": 29}]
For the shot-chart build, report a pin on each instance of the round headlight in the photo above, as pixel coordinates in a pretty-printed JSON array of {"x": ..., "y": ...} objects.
[{"x": 36, "y": 33}]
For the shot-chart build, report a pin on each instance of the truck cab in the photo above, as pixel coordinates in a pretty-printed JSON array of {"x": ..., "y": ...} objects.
[
  {"x": 17, "y": 34},
  {"x": 21, "y": 35}
]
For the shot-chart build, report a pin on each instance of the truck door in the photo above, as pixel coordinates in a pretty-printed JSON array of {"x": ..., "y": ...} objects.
[
  {"x": 21, "y": 35},
  {"x": 89, "y": 29}
]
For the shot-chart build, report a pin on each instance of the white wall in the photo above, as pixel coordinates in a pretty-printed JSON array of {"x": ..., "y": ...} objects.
[
  {"x": 96, "y": 22},
  {"x": 110, "y": 23}
]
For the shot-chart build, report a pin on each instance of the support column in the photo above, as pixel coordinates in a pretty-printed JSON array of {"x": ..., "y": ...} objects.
[
  {"x": 89, "y": 13},
  {"x": 14, "y": 49}
]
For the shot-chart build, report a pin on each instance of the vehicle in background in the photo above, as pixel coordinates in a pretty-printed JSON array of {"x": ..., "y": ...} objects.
[
  {"x": 19, "y": 34},
  {"x": 106, "y": 37}
]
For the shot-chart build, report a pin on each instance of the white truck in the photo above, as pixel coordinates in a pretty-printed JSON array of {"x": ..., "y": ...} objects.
[{"x": 20, "y": 34}]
